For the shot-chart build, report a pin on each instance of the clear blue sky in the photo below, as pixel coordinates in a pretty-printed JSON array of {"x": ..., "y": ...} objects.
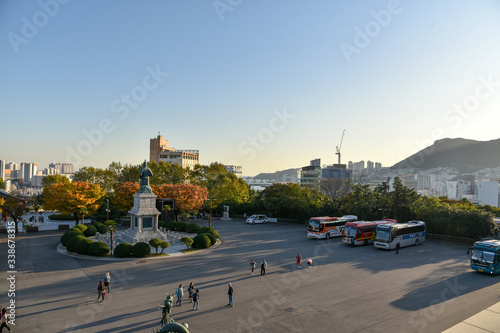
[{"x": 268, "y": 85}]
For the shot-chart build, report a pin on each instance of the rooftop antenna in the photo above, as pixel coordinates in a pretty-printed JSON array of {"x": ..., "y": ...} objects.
[{"x": 340, "y": 145}]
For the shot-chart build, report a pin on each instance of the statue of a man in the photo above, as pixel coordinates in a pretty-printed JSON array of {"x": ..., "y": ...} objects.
[{"x": 145, "y": 173}]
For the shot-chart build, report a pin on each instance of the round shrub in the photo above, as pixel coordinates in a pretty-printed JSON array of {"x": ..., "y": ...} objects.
[
  {"x": 78, "y": 230},
  {"x": 181, "y": 226},
  {"x": 98, "y": 249},
  {"x": 156, "y": 243},
  {"x": 68, "y": 235},
  {"x": 187, "y": 240},
  {"x": 213, "y": 240},
  {"x": 201, "y": 241},
  {"x": 82, "y": 246},
  {"x": 192, "y": 228},
  {"x": 90, "y": 231},
  {"x": 70, "y": 246},
  {"x": 161, "y": 224},
  {"x": 206, "y": 230},
  {"x": 82, "y": 227},
  {"x": 123, "y": 250},
  {"x": 101, "y": 228},
  {"x": 140, "y": 249},
  {"x": 171, "y": 225}
]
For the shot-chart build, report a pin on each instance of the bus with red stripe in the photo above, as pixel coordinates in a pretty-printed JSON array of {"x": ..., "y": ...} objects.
[
  {"x": 362, "y": 232},
  {"x": 327, "y": 227}
]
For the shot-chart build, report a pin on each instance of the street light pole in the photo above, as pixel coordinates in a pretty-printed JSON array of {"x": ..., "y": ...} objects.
[{"x": 107, "y": 209}]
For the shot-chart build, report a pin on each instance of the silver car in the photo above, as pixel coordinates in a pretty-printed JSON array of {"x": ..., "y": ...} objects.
[{"x": 257, "y": 218}]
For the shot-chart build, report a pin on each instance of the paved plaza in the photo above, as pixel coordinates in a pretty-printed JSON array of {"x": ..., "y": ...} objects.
[{"x": 428, "y": 288}]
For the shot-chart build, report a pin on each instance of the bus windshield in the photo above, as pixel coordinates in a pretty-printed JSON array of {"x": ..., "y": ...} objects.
[
  {"x": 383, "y": 235},
  {"x": 483, "y": 255},
  {"x": 350, "y": 231},
  {"x": 314, "y": 225}
]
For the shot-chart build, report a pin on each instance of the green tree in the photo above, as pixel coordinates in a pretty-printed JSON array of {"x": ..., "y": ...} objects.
[
  {"x": 156, "y": 242},
  {"x": 187, "y": 240},
  {"x": 15, "y": 206},
  {"x": 287, "y": 201},
  {"x": 335, "y": 191},
  {"x": 361, "y": 202}
]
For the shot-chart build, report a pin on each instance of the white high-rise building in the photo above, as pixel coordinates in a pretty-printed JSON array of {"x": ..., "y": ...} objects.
[
  {"x": 487, "y": 193},
  {"x": 2, "y": 169},
  {"x": 28, "y": 170}
]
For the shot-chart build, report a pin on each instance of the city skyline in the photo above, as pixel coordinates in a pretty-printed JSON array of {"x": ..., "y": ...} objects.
[{"x": 267, "y": 86}]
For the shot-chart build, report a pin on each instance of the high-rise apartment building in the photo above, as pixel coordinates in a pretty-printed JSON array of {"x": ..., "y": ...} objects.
[
  {"x": 61, "y": 168},
  {"x": 2, "y": 169},
  {"x": 28, "y": 170},
  {"x": 236, "y": 169}
]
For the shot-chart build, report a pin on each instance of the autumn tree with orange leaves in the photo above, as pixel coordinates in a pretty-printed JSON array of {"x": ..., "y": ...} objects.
[
  {"x": 79, "y": 199},
  {"x": 124, "y": 195},
  {"x": 187, "y": 197}
]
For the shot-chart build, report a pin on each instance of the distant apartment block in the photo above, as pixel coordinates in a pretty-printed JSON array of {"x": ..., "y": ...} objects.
[
  {"x": 236, "y": 169},
  {"x": 487, "y": 193},
  {"x": 159, "y": 151},
  {"x": 28, "y": 170},
  {"x": 310, "y": 175},
  {"x": 2, "y": 169},
  {"x": 60, "y": 169},
  {"x": 336, "y": 171}
]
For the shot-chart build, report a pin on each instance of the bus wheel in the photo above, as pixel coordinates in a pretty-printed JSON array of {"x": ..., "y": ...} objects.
[
  {"x": 365, "y": 242},
  {"x": 327, "y": 236},
  {"x": 417, "y": 242}
]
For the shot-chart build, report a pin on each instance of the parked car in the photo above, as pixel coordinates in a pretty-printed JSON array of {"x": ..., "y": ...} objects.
[{"x": 257, "y": 218}]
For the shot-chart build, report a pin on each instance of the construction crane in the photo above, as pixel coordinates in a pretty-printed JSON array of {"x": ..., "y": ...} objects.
[{"x": 340, "y": 145}]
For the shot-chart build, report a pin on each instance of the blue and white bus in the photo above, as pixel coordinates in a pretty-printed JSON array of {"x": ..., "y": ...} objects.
[
  {"x": 388, "y": 236},
  {"x": 485, "y": 256}
]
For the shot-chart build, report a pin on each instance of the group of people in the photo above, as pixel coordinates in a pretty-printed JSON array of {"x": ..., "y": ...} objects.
[
  {"x": 101, "y": 288},
  {"x": 193, "y": 296},
  {"x": 263, "y": 266},
  {"x": 299, "y": 261},
  {"x": 35, "y": 219},
  {"x": 4, "y": 319}
]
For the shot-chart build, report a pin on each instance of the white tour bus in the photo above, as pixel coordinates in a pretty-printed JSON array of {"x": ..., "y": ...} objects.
[{"x": 404, "y": 234}]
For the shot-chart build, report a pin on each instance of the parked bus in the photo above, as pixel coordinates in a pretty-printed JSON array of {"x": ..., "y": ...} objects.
[
  {"x": 485, "y": 256},
  {"x": 388, "y": 236},
  {"x": 361, "y": 232},
  {"x": 326, "y": 227}
]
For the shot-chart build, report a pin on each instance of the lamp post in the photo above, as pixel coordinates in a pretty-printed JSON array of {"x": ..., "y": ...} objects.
[
  {"x": 210, "y": 217},
  {"x": 107, "y": 209}
]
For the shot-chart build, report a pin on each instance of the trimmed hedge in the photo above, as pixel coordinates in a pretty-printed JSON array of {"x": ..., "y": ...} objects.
[
  {"x": 98, "y": 249},
  {"x": 61, "y": 217},
  {"x": 68, "y": 235},
  {"x": 101, "y": 228},
  {"x": 161, "y": 224},
  {"x": 213, "y": 240},
  {"x": 82, "y": 246},
  {"x": 78, "y": 230},
  {"x": 123, "y": 250},
  {"x": 192, "y": 228},
  {"x": 140, "y": 249},
  {"x": 70, "y": 246},
  {"x": 181, "y": 226},
  {"x": 82, "y": 227},
  {"x": 90, "y": 231},
  {"x": 171, "y": 225},
  {"x": 206, "y": 230},
  {"x": 201, "y": 241}
]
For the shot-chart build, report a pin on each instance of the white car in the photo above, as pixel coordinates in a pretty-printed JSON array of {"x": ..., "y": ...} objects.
[{"x": 257, "y": 219}]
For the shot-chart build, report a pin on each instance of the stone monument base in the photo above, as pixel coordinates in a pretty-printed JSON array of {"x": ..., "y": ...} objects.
[{"x": 133, "y": 236}]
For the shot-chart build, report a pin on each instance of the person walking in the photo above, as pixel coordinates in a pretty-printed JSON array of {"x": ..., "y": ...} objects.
[
  {"x": 101, "y": 292},
  {"x": 230, "y": 292},
  {"x": 179, "y": 293},
  {"x": 252, "y": 264},
  {"x": 397, "y": 248},
  {"x": 196, "y": 302},
  {"x": 4, "y": 319},
  {"x": 263, "y": 267},
  {"x": 107, "y": 280},
  {"x": 299, "y": 260},
  {"x": 191, "y": 291}
]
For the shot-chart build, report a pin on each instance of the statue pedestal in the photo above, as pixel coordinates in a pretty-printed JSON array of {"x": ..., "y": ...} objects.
[
  {"x": 143, "y": 220},
  {"x": 225, "y": 215}
]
